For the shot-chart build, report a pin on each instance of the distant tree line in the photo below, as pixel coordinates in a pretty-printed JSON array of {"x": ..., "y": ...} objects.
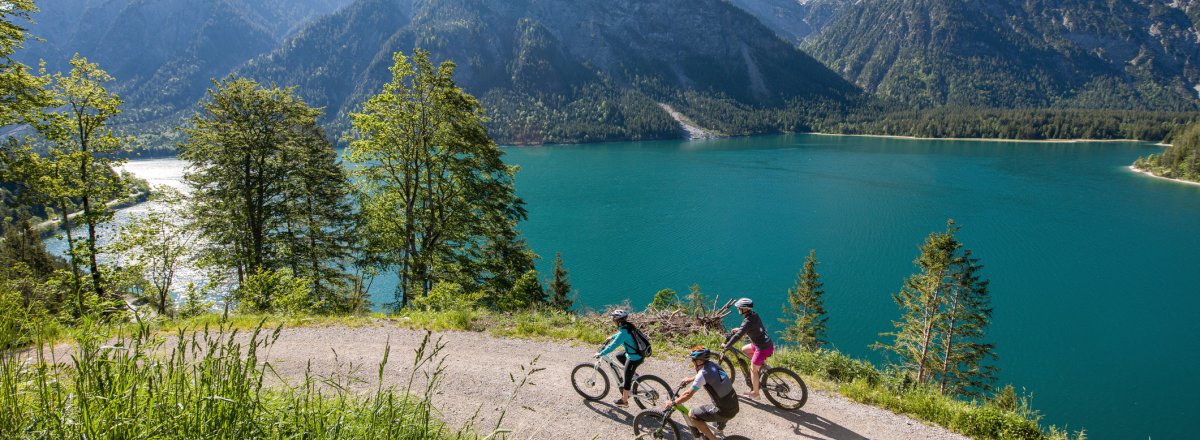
[{"x": 1181, "y": 160}]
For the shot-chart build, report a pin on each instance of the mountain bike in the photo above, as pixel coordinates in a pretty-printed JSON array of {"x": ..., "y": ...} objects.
[
  {"x": 591, "y": 382},
  {"x": 782, "y": 386},
  {"x": 655, "y": 424}
]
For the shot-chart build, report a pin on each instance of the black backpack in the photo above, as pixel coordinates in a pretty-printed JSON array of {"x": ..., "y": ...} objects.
[{"x": 643, "y": 343}]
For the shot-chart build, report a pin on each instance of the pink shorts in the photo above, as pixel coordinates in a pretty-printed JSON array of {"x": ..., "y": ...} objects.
[{"x": 761, "y": 355}]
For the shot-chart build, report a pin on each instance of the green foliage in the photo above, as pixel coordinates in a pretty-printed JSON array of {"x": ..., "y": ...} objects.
[
  {"x": 872, "y": 117},
  {"x": 805, "y": 311},
  {"x": 526, "y": 293},
  {"x": 944, "y": 315},
  {"x": 438, "y": 199},
  {"x": 24, "y": 93},
  {"x": 697, "y": 301},
  {"x": 193, "y": 302},
  {"x": 156, "y": 246},
  {"x": 560, "y": 286},
  {"x": 665, "y": 299},
  {"x": 83, "y": 155},
  {"x": 1013, "y": 55},
  {"x": 268, "y": 190},
  {"x": 213, "y": 383},
  {"x": 275, "y": 291},
  {"x": 1181, "y": 160},
  {"x": 448, "y": 296}
]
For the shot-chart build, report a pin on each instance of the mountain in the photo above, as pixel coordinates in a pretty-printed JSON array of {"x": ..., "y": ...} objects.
[
  {"x": 164, "y": 52},
  {"x": 556, "y": 70},
  {"x": 1116, "y": 54},
  {"x": 794, "y": 20}
]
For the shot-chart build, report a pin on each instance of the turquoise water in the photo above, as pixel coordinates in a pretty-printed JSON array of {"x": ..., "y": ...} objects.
[{"x": 1094, "y": 269}]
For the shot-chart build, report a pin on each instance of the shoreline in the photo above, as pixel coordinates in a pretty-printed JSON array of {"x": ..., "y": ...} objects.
[
  {"x": 1032, "y": 141},
  {"x": 1148, "y": 173}
]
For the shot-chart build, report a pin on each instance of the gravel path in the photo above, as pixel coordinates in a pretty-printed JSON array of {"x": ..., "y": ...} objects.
[{"x": 477, "y": 381}]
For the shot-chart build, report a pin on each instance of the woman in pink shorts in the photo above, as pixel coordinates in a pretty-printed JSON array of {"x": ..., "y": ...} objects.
[{"x": 760, "y": 347}]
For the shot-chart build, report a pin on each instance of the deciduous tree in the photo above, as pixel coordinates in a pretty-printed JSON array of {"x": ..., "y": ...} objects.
[{"x": 438, "y": 199}]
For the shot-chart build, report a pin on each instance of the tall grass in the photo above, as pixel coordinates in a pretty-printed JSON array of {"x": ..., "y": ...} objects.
[{"x": 204, "y": 384}]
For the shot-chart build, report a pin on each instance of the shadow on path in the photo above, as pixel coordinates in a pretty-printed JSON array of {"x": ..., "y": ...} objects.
[
  {"x": 801, "y": 421},
  {"x": 610, "y": 412}
]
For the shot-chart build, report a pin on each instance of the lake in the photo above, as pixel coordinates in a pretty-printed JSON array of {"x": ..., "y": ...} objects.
[{"x": 1094, "y": 269}]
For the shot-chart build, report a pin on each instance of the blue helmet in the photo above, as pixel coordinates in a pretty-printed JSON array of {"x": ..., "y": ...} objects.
[{"x": 701, "y": 353}]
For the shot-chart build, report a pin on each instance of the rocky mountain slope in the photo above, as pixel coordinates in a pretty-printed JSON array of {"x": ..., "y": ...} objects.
[
  {"x": 560, "y": 69},
  {"x": 1120, "y": 54},
  {"x": 164, "y": 53}
]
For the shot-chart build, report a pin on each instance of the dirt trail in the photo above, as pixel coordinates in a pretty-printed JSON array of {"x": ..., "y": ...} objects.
[{"x": 477, "y": 378}]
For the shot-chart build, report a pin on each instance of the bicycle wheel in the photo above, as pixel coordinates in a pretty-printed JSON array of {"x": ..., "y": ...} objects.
[
  {"x": 728, "y": 365},
  {"x": 651, "y": 424},
  {"x": 650, "y": 391},
  {"x": 785, "y": 389},
  {"x": 736, "y": 437},
  {"x": 589, "y": 381}
]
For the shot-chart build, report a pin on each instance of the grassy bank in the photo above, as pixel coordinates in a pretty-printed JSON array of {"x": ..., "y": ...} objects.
[
  {"x": 125, "y": 383},
  {"x": 1009, "y": 416}
]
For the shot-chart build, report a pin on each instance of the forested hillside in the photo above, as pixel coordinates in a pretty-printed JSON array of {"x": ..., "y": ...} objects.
[
  {"x": 164, "y": 53},
  {"x": 561, "y": 70},
  {"x": 589, "y": 70},
  {"x": 1123, "y": 54}
]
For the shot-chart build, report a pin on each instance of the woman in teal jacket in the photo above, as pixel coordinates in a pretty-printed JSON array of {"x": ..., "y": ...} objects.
[{"x": 630, "y": 358}]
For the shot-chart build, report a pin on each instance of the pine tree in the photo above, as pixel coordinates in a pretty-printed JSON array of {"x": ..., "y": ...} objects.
[
  {"x": 560, "y": 285},
  {"x": 964, "y": 355},
  {"x": 922, "y": 303},
  {"x": 526, "y": 293},
  {"x": 665, "y": 299},
  {"x": 805, "y": 311},
  {"x": 944, "y": 315}
]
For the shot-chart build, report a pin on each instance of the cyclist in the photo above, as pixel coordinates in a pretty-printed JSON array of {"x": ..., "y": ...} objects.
[
  {"x": 760, "y": 346},
  {"x": 716, "y": 381},
  {"x": 630, "y": 358}
]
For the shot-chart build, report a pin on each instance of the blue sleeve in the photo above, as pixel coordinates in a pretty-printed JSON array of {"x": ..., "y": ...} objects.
[{"x": 617, "y": 340}]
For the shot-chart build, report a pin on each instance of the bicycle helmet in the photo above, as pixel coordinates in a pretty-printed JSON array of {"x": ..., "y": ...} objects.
[
  {"x": 700, "y": 353},
  {"x": 744, "y": 303},
  {"x": 619, "y": 315}
]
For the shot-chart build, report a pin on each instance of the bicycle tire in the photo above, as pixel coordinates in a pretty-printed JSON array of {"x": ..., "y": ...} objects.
[
  {"x": 781, "y": 387},
  {"x": 727, "y": 364},
  {"x": 650, "y": 391},
  {"x": 646, "y": 426},
  {"x": 735, "y": 437},
  {"x": 588, "y": 385}
]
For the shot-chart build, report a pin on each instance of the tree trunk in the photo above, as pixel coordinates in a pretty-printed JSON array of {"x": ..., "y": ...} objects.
[
  {"x": 97, "y": 282},
  {"x": 71, "y": 252},
  {"x": 949, "y": 341}
]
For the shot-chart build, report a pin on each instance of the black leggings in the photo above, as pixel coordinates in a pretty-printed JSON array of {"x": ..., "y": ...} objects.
[{"x": 630, "y": 369}]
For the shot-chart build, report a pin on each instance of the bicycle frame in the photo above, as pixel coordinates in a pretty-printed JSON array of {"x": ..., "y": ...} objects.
[
  {"x": 617, "y": 368},
  {"x": 743, "y": 363},
  {"x": 686, "y": 412}
]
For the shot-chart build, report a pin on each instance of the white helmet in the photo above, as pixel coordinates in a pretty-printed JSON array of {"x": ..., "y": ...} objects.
[
  {"x": 619, "y": 315},
  {"x": 744, "y": 303}
]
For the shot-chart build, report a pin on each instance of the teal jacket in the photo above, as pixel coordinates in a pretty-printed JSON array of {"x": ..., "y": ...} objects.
[{"x": 623, "y": 339}]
